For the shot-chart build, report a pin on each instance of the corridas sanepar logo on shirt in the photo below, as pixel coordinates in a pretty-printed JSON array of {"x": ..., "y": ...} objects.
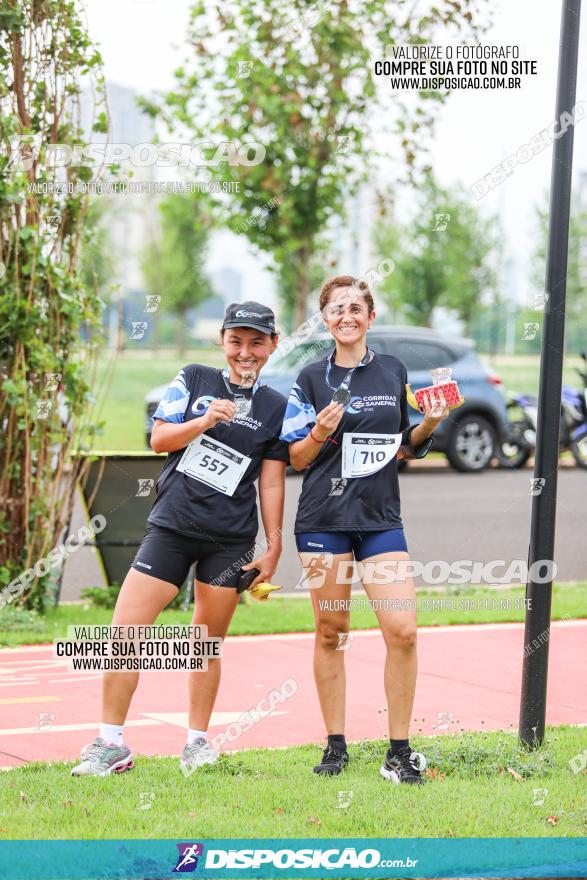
[
  {"x": 200, "y": 406},
  {"x": 369, "y": 402}
]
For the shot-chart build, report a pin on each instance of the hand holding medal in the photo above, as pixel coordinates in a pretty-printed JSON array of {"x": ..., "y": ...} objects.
[
  {"x": 327, "y": 421},
  {"x": 219, "y": 411},
  {"x": 242, "y": 402},
  {"x": 342, "y": 396}
]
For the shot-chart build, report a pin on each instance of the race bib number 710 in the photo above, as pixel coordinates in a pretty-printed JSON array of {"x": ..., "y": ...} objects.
[
  {"x": 214, "y": 463},
  {"x": 365, "y": 454}
]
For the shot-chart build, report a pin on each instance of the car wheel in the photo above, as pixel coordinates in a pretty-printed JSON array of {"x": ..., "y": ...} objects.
[
  {"x": 514, "y": 452},
  {"x": 513, "y": 455},
  {"x": 472, "y": 444},
  {"x": 579, "y": 450}
]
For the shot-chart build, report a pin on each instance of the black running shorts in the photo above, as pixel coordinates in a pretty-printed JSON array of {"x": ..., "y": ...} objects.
[{"x": 168, "y": 555}]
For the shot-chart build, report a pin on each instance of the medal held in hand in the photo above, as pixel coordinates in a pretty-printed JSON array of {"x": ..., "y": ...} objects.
[
  {"x": 242, "y": 406},
  {"x": 342, "y": 395},
  {"x": 242, "y": 403}
]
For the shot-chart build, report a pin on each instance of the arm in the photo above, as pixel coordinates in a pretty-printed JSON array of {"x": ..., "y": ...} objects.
[
  {"x": 171, "y": 436},
  {"x": 416, "y": 442},
  {"x": 303, "y": 452},
  {"x": 271, "y": 500},
  {"x": 303, "y": 429},
  {"x": 433, "y": 415}
]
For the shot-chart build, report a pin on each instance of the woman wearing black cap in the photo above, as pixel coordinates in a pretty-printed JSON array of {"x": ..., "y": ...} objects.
[{"x": 220, "y": 429}]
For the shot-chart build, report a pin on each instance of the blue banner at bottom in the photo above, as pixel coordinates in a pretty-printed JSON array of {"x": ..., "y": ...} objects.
[{"x": 292, "y": 858}]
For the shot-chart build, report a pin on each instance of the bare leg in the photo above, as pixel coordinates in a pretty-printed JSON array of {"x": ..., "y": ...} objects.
[
  {"x": 329, "y": 671},
  {"x": 399, "y": 632},
  {"x": 140, "y": 601},
  {"x": 214, "y": 608}
]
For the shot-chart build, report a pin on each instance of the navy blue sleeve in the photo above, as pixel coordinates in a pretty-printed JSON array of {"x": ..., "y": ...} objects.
[{"x": 277, "y": 449}]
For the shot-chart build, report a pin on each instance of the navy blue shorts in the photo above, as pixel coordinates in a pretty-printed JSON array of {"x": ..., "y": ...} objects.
[{"x": 362, "y": 544}]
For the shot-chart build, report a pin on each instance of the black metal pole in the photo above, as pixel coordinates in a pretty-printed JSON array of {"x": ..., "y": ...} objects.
[{"x": 539, "y": 595}]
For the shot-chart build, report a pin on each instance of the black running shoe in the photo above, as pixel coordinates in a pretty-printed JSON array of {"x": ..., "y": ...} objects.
[
  {"x": 332, "y": 762},
  {"x": 405, "y": 766}
]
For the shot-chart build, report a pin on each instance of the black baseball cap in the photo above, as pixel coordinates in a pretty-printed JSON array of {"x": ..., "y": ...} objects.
[{"x": 249, "y": 314}]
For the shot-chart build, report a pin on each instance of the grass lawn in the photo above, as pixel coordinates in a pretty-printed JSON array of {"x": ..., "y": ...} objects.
[
  {"x": 522, "y": 372},
  {"x": 285, "y": 614},
  {"x": 480, "y": 785},
  {"x": 133, "y": 375}
]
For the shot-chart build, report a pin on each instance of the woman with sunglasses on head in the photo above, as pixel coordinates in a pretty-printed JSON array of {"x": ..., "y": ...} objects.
[
  {"x": 220, "y": 429},
  {"x": 347, "y": 424}
]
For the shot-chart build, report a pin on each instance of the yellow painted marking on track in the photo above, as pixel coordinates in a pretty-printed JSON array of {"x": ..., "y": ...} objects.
[{"x": 39, "y": 699}]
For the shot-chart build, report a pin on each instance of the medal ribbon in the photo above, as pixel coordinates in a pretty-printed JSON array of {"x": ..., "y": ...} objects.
[
  {"x": 345, "y": 384},
  {"x": 226, "y": 377}
]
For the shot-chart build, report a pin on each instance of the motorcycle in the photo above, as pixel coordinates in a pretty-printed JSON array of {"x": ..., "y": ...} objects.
[{"x": 521, "y": 441}]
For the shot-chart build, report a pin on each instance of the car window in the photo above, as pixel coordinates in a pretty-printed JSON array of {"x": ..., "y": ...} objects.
[
  {"x": 304, "y": 353},
  {"x": 420, "y": 355},
  {"x": 416, "y": 354},
  {"x": 381, "y": 344}
]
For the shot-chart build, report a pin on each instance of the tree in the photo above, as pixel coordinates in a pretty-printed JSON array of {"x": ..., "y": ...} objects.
[
  {"x": 297, "y": 80},
  {"x": 97, "y": 261},
  {"x": 388, "y": 243},
  {"x": 576, "y": 297},
  {"x": 173, "y": 264},
  {"x": 46, "y": 363},
  {"x": 472, "y": 243},
  {"x": 443, "y": 256}
]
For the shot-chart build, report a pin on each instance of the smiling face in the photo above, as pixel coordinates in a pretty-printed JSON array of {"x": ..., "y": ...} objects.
[
  {"x": 346, "y": 315},
  {"x": 246, "y": 351}
]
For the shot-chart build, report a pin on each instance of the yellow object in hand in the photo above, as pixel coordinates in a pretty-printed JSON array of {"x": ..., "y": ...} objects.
[
  {"x": 261, "y": 592},
  {"x": 411, "y": 399}
]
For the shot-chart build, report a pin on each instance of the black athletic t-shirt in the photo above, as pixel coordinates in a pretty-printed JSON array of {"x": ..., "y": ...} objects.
[
  {"x": 330, "y": 502},
  {"x": 193, "y": 507}
]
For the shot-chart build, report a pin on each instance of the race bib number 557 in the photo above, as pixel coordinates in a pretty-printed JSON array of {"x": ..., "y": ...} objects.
[
  {"x": 365, "y": 454},
  {"x": 214, "y": 463}
]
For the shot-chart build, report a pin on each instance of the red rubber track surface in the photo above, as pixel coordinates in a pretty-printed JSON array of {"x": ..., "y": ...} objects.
[{"x": 469, "y": 674}]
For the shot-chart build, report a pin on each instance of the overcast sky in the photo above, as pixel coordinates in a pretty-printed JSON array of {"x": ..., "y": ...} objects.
[{"x": 142, "y": 42}]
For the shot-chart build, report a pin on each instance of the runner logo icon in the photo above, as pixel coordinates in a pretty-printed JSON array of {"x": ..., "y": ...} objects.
[{"x": 187, "y": 860}]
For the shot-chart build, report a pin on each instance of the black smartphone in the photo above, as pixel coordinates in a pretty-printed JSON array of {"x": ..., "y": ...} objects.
[{"x": 246, "y": 578}]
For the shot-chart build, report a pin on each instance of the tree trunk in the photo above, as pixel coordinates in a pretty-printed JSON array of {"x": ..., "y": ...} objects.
[
  {"x": 181, "y": 335},
  {"x": 301, "y": 286},
  {"x": 467, "y": 319}
]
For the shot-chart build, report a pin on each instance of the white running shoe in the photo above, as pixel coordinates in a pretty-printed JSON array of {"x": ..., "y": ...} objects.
[
  {"x": 100, "y": 758},
  {"x": 197, "y": 754}
]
